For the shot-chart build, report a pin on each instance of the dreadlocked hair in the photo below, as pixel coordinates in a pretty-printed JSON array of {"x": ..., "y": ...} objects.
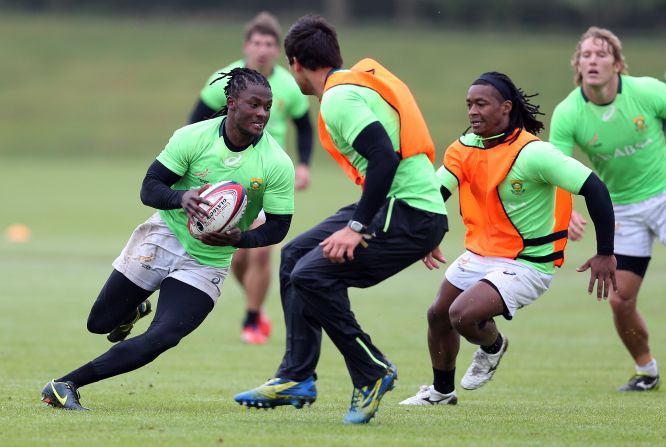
[
  {"x": 523, "y": 113},
  {"x": 237, "y": 81}
]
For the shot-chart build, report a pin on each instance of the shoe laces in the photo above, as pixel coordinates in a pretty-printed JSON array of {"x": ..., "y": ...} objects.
[
  {"x": 73, "y": 389},
  {"x": 424, "y": 390},
  {"x": 357, "y": 394},
  {"x": 481, "y": 362}
]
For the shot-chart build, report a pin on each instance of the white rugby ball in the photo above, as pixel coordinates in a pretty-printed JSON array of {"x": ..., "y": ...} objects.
[{"x": 228, "y": 201}]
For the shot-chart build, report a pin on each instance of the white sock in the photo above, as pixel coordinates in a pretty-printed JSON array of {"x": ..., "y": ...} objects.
[{"x": 649, "y": 369}]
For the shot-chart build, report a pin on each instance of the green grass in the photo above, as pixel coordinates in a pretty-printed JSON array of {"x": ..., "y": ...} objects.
[
  {"x": 555, "y": 386},
  {"x": 87, "y": 104}
]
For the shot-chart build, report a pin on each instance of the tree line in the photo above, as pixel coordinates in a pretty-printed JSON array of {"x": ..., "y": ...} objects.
[{"x": 636, "y": 15}]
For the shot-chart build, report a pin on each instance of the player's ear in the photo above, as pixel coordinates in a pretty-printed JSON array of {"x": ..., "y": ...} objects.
[
  {"x": 231, "y": 102},
  {"x": 617, "y": 66},
  {"x": 507, "y": 106},
  {"x": 295, "y": 65}
]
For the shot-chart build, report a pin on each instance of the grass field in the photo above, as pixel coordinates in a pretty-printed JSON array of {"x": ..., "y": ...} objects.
[{"x": 87, "y": 104}]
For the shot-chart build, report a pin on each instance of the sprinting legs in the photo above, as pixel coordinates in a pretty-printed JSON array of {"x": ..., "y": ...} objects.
[{"x": 628, "y": 321}]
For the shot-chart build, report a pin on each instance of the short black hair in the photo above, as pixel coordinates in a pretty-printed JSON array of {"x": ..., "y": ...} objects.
[
  {"x": 314, "y": 42},
  {"x": 239, "y": 78},
  {"x": 523, "y": 113}
]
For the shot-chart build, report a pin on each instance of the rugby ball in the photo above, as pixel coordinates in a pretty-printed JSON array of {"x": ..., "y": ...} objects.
[{"x": 228, "y": 201}]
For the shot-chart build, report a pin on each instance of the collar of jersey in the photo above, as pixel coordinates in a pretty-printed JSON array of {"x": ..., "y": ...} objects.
[
  {"x": 619, "y": 90},
  {"x": 230, "y": 145}
]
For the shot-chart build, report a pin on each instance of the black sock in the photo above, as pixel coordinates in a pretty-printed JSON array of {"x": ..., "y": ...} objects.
[
  {"x": 82, "y": 376},
  {"x": 251, "y": 318},
  {"x": 495, "y": 347},
  {"x": 444, "y": 381}
]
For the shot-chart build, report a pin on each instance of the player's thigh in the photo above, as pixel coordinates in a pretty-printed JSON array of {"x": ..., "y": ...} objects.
[
  {"x": 403, "y": 236},
  {"x": 146, "y": 258},
  {"x": 260, "y": 257},
  {"x": 181, "y": 308},
  {"x": 517, "y": 284},
  {"x": 240, "y": 261},
  {"x": 371, "y": 264},
  {"x": 656, "y": 216},
  {"x": 297, "y": 247},
  {"x": 633, "y": 235},
  {"x": 480, "y": 302},
  {"x": 208, "y": 279},
  {"x": 466, "y": 270},
  {"x": 439, "y": 309}
]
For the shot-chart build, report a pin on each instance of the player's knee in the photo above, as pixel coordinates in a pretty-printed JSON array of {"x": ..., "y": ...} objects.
[
  {"x": 297, "y": 278},
  {"x": 622, "y": 303},
  {"x": 98, "y": 325},
  {"x": 460, "y": 319},
  {"x": 262, "y": 256},
  {"x": 437, "y": 318},
  {"x": 159, "y": 341}
]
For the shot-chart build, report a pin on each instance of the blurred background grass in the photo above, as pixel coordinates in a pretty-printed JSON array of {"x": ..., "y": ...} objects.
[{"x": 118, "y": 87}]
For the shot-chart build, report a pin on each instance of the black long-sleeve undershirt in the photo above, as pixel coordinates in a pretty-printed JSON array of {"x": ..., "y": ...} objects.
[
  {"x": 374, "y": 144},
  {"x": 270, "y": 232},
  {"x": 304, "y": 138},
  {"x": 445, "y": 193},
  {"x": 600, "y": 208},
  {"x": 156, "y": 192},
  {"x": 201, "y": 112},
  {"x": 156, "y": 189}
]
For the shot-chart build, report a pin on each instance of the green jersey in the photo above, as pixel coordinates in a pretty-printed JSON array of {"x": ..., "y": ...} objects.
[
  {"x": 288, "y": 101},
  {"x": 624, "y": 140},
  {"x": 199, "y": 155},
  {"x": 347, "y": 110},
  {"x": 527, "y": 192}
]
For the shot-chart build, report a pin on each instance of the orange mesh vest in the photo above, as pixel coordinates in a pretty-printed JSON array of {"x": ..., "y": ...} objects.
[
  {"x": 414, "y": 135},
  {"x": 490, "y": 232}
]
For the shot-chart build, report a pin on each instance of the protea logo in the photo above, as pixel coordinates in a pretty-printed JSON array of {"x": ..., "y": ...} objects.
[
  {"x": 517, "y": 187},
  {"x": 639, "y": 122}
]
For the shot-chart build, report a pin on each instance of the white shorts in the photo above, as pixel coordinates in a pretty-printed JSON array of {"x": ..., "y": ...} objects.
[
  {"x": 637, "y": 224},
  {"x": 153, "y": 253},
  {"x": 518, "y": 284}
]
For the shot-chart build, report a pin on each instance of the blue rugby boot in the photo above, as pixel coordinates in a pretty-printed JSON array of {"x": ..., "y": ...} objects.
[
  {"x": 278, "y": 392},
  {"x": 365, "y": 400},
  {"x": 122, "y": 331},
  {"x": 62, "y": 395}
]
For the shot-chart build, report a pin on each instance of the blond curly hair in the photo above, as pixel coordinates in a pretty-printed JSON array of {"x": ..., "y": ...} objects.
[{"x": 613, "y": 43}]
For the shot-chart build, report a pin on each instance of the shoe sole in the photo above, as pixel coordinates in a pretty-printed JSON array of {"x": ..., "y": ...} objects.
[
  {"x": 297, "y": 403},
  {"x": 55, "y": 404},
  {"x": 639, "y": 390},
  {"x": 452, "y": 401},
  {"x": 476, "y": 387}
]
